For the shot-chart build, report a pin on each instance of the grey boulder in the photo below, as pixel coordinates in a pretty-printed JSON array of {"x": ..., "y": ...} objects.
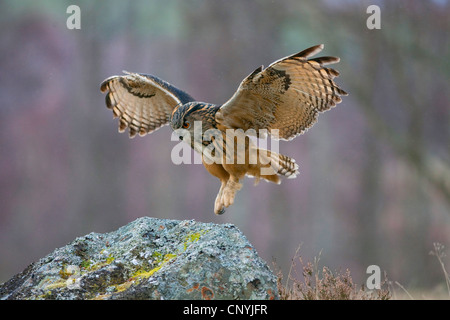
[{"x": 149, "y": 258}]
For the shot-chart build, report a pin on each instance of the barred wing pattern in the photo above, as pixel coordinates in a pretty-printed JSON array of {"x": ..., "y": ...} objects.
[
  {"x": 288, "y": 95},
  {"x": 143, "y": 103}
]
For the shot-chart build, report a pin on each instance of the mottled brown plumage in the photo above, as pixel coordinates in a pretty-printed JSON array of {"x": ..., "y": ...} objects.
[
  {"x": 288, "y": 95},
  {"x": 283, "y": 100}
]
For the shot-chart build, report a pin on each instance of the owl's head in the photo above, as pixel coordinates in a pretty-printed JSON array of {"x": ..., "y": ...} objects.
[{"x": 185, "y": 116}]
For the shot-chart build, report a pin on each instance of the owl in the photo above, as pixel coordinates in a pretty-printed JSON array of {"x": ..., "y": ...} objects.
[{"x": 282, "y": 101}]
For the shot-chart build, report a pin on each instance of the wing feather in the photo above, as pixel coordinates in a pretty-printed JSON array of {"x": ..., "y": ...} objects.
[
  {"x": 143, "y": 103},
  {"x": 288, "y": 95}
]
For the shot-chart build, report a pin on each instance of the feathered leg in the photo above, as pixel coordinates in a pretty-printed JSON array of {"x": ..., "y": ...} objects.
[
  {"x": 218, "y": 171},
  {"x": 233, "y": 185},
  {"x": 218, "y": 205}
]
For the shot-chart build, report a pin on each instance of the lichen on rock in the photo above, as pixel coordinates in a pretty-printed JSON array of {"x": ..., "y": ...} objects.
[{"x": 149, "y": 258}]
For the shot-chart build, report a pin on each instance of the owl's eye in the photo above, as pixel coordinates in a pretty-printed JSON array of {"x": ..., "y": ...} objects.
[{"x": 186, "y": 125}]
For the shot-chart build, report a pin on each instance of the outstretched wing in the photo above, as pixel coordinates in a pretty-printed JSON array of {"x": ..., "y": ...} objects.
[
  {"x": 143, "y": 103},
  {"x": 288, "y": 95}
]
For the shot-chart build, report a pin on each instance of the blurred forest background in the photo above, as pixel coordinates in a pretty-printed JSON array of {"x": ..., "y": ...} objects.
[{"x": 374, "y": 183}]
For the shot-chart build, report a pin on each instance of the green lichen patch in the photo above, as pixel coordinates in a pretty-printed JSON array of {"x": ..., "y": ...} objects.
[
  {"x": 192, "y": 238},
  {"x": 145, "y": 274}
]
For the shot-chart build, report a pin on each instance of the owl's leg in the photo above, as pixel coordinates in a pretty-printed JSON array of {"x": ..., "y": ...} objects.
[
  {"x": 229, "y": 192},
  {"x": 218, "y": 171},
  {"x": 218, "y": 205}
]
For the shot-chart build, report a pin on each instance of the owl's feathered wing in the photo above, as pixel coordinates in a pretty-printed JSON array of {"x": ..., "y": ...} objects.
[
  {"x": 288, "y": 95},
  {"x": 143, "y": 103}
]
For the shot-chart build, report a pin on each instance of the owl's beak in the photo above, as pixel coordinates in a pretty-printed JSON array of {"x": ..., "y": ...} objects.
[{"x": 181, "y": 138}]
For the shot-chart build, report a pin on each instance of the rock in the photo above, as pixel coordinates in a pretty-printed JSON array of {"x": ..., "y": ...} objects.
[{"x": 149, "y": 259}]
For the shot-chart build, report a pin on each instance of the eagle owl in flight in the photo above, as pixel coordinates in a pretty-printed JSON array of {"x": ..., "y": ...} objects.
[{"x": 283, "y": 100}]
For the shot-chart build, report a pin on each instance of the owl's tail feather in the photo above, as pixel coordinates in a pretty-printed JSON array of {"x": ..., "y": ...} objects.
[
  {"x": 274, "y": 165},
  {"x": 284, "y": 165}
]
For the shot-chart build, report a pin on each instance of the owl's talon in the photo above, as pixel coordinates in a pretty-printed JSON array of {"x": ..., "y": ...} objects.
[{"x": 219, "y": 208}]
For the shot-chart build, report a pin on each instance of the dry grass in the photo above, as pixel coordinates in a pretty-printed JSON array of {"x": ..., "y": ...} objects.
[
  {"x": 320, "y": 283},
  {"x": 439, "y": 292},
  {"x": 440, "y": 255},
  {"x": 323, "y": 284}
]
